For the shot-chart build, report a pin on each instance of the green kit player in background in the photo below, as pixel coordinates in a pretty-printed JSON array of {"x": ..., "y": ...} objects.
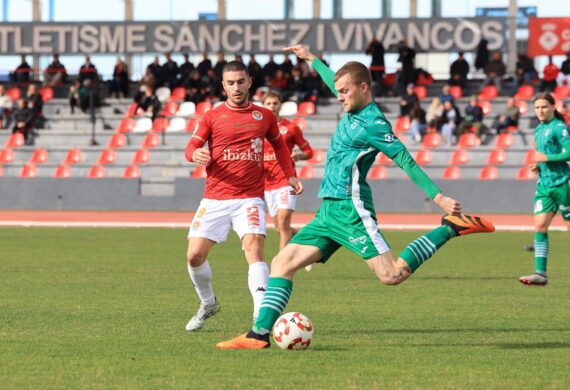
[
  {"x": 347, "y": 216},
  {"x": 552, "y": 141}
]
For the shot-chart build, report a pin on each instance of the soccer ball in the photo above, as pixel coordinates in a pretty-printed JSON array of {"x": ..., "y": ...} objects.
[{"x": 293, "y": 331}]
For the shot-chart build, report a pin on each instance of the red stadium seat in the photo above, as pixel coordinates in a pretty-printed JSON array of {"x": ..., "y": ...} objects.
[
  {"x": 459, "y": 157},
  {"x": 6, "y": 156},
  {"x": 522, "y": 106},
  {"x": 525, "y": 174},
  {"x": 318, "y": 157},
  {"x": 15, "y": 140},
  {"x": 169, "y": 109},
  {"x": 497, "y": 157},
  {"x": 424, "y": 79},
  {"x": 389, "y": 79},
  {"x": 382, "y": 159},
  {"x": 96, "y": 172},
  {"x": 63, "y": 171},
  {"x": 142, "y": 156},
  {"x": 467, "y": 140},
  {"x": 452, "y": 173},
  {"x": 512, "y": 129},
  {"x": 423, "y": 157},
  {"x": 126, "y": 125},
  {"x": 178, "y": 93},
  {"x": 107, "y": 156},
  {"x": 39, "y": 156},
  {"x": 203, "y": 107},
  {"x": 133, "y": 111},
  {"x": 524, "y": 92},
  {"x": 73, "y": 156},
  {"x": 160, "y": 124},
  {"x": 300, "y": 121},
  {"x": 530, "y": 157},
  {"x": 378, "y": 172},
  {"x": 151, "y": 140},
  {"x": 307, "y": 172},
  {"x": 117, "y": 141},
  {"x": 489, "y": 173},
  {"x": 505, "y": 140},
  {"x": 561, "y": 92},
  {"x": 306, "y": 108},
  {"x": 46, "y": 93},
  {"x": 192, "y": 125},
  {"x": 14, "y": 93},
  {"x": 485, "y": 106},
  {"x": 431, "y": 140},
  {"x": 199, "y": 172},
  {"x": 28, "y": 170},
  {"x": 132, "y": 172},
  {"x": 456, "y": 91},
  {"x": 420, "y": 91},
  {"x": 402, "y": 123},
  {"x": 489, "y": 92}
]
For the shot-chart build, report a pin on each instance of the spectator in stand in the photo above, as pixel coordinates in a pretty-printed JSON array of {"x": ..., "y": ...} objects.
[
  {"x": 564, "y": 75},
  {"x": 79, "y": 96},
  {"x": 473, "y": 119},
  {"x": 304, "y": 66},
  {"x": 418, "y": 122},
  {"x": 23, "y": 121},
  {"x": 55, "y": 73},
  {"x": 238, "y": 58},
  {"x": 313, "y": 84},
  {"x": 287, "y": 66},
  {"x": 295, "y": 86},
  {"x": 22, "y": 74},
  {"x": 434, "y": 112},
  {"x": 155, "y": 70},
  {"x": 35, "y": 102},
  {"x": 495, "y": 70},
  {"x": 482, "y": 55},
  {"x": 445, "y": 95},
  {"x": 149, "y": 103},
  {"x": 256, "y": 74},
  {"x": 169, "y": 72},
  {"x": 212, "y": 86},
  {"x": 450, "y": 119},
  {"x": 549, "y": 76},
  {"x": 458, "y": 71},
  {"x": 88, "y": 71},
  {"x": 194, "y": 88},
  {"x": 220, "y": 65},
  {"x": 148, "y": 79},
  {"x": 119, "y": 85},
  {"x": 185, "y": 70},
  {"x": 525, "y": 71},
  {"x": 279, "y": 81},
  {"x": 5, "y": 108},
  {"x": 508, "y": 117},
  {"x": 205, "y": 65},
  {"x": 408, "y": 100},
  {"x": 376, "y": 50},
  {"x": 269, "y": 69},
  {"x": 74, "y": 96},
  {"x": 407, "y": 57}
]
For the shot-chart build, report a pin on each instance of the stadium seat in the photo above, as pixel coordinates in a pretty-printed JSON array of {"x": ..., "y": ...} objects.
[
  {"x": 160, "y": 124},
  {"x": 15, "y": 140},
  {"x": 63, "y": 171},
  {"x": 307, "y": 172},
  {"x": 530, "y": 157},
  {"x": 489, "y": 172},
  {"x": 423, "y": 156},
  {"x": 378, "y": 172},
  {"x": 126, "y": 125},
  {"x": 319, "y": 157},
  {"x": 497, "y": 157},
  {"x": 456, "y": 91},
  {"x": 96, "y": 172},
  {"x": 452, "y": 173},
  {"x": 14, "y": 93},
  {"x": 192, "y": 125},
  {"x": 424, "y": 79},
  {"x": 431, "y": 140},
  {"x": 142, "y": 156},
  {"x": 203, "y": 107},
  {"x": 561, "y": 92},
  {"x": 382, "y": 159},
  {"x": 489, "y": 92},
  {"x": 459, "y": 157},
  {"x": 504, "y": 140},
  {"x": 117, "y": 140},
  {"x": 467, "y": 140},
  {"x": 186, "y": 109},
  {"x": 6, "y": 156},
  {"x": 199, "y": 172},
  {"x": 73, "y": 156},
  {"x": 402, "y": 123},
  {"x": 28, "y": 170},
  {"x": 178, "y": 93},
  {"x": 46, "y": 93},
  {"x": 522, "y": 106},
  {"x": 151, "y": 140},
  {"x": 132, "y": 111},
  {"x": 176, "y": 125},
  {"x": 485, "y": 106},
  {"x": 132, "y": 172},
  {"x": 39, "y": 156},
  {"x": 163, "y": 94},
  {"x": 143, "y": 125},
  {"x": 420, "y": 91},
  {"x": 306, "y": 108},
  {"x": 512, "y": 129},
  {"x": 389, "y": 79},
  {"x": 524, "y": 92},
  {"x": 525, "y": 173},
  {"x": 107, "y": 156},
  {"x": 169, "y": 109},
  {"x": 288, "y": 109},
  {"x": 300, "y": 121}
]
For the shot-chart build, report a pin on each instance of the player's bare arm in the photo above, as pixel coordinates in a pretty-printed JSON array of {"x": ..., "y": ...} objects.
[
  {"x": 447, "y": 204},
  {"x": 300, "y": 51},
  {"x": 201, "y": 156}
]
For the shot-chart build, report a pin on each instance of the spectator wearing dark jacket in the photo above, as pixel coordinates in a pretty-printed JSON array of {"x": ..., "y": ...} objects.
[
  {"x": 269, "y": 69},
  {"x": 450, "y": 119},
  {"x": 55, "y": 73},
  {"x": 376, "y": 50},
  {"x": 473, "y": 119},
  {"x": 458, "y": 71},
  {"x": 149, "y": 103},
  {"x": 407, "y": 57},
  {"x": 482, "y": 54},
  {"x": 408, "y": 100},
  {"x": 525, "y": 71},
  {"x": 169, "y": 72},
  {"x": 23, "y": 121},
  {"x": 119, "y": 85},
  {"x": 88, "y": 71},
  {"x": 22, "y": 74},
  {"x": 564, "y": 75},
  {"x": 185, "y": 69},
  {"x": 205, "y": 65},
  {"x": 495, "y": 70}
]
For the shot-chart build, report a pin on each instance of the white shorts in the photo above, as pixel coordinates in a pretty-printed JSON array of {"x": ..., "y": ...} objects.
[
  {"x": 281, "y": 198},
  {"x": 214, "y": 218}
]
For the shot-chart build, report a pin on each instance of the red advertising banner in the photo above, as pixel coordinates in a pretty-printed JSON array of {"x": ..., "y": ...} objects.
[{"x": 548, "y": 36}]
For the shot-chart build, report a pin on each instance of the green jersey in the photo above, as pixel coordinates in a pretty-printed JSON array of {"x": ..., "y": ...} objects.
[{"x": 552, "y": 138}]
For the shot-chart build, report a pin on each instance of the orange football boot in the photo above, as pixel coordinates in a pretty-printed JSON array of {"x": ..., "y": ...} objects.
[
  {"x": 243, "y": 342},
  {"x": 463, "y": 224}
]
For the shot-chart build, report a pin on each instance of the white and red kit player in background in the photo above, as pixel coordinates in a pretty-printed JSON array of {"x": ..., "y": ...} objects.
[
  {"x": 280, "y": 199},
  {"x": 233, "y": 197}
]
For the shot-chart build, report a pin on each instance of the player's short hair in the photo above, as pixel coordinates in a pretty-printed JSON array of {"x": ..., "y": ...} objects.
[
  {"x": 272, "y": 94},
  {"x": 235, "y": 66},
  {"x": 359, "y": 72}
]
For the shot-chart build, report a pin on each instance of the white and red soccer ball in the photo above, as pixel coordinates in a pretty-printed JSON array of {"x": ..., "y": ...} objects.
[{"x": 293, "y": 331}]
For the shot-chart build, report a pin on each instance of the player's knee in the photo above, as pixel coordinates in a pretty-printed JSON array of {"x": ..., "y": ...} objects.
[
  {"x": 195, "y": 258},
  {"x": 282, "y": 266}
]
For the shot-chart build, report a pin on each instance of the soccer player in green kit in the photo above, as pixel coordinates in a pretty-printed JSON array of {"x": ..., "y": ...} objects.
[
  {"x": 552, "y": 141},
  {"x": 347, "y": 216}
]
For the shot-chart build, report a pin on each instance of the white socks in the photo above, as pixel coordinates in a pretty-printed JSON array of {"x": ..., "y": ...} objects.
[
  {"x": 202, "y": 279},
  {"x": 257, "y": 278}
]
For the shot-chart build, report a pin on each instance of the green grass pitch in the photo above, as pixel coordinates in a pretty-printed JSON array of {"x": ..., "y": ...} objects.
[{"x": 106, "y": 308}]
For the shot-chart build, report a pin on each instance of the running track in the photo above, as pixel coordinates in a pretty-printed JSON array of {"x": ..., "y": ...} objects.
[{"x": 505, "y": 222}]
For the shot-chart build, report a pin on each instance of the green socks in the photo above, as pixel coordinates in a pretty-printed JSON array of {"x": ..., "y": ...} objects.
[
  {"x": 540, "y": 251},
  {"x": 421, "y": 249},
  {"x": 276, "y": 298}
]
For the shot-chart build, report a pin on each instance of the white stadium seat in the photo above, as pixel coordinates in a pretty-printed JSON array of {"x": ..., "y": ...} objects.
[
  {"x": 288, "y": 109},
  {"x": 143, "y": 125},
  {"x": 177, "y": 124},
  {"x": 186, "y": 109},
  {"x": 163, "y": 93}
]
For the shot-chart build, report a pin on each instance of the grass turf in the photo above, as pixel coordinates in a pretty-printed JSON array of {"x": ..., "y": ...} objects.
[{"x": 106, "y": 308}]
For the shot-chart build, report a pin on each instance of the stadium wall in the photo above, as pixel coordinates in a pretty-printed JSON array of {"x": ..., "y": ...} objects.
[{"x": 392, "y": 195}]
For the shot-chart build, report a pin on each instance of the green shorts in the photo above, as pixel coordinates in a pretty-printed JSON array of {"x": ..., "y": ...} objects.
[
  {"x": 550, "y": 199},
  {"x": 344, "y": 222}
]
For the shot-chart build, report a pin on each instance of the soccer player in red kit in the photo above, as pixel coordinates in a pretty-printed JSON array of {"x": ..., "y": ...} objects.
[
  {"x": 280, "y": 199},
  {"x": 233, "y": 197}
]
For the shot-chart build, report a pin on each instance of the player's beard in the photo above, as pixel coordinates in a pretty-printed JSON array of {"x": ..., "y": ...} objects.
[{"x": 239, "y": 100}]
